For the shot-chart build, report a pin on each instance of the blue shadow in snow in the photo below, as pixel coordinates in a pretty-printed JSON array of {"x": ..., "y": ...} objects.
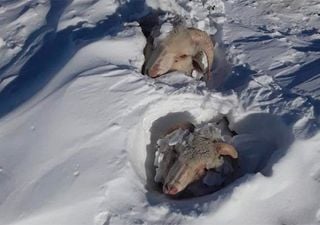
[
  {"x": 313, "y": 47},
  {"x": 57, "y": 49},
  {"x": 238, "y": 80},
  {"x": 305, "y": 72},
  {"x": 241, "y": 75}
]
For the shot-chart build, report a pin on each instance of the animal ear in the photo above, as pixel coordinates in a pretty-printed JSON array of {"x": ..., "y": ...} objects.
[
  {"x": 162, "y": 64},
  {"x": 205, "y": 44},
  {"x": 183, "y": 126},
  {"x": 226, "y": 149}
]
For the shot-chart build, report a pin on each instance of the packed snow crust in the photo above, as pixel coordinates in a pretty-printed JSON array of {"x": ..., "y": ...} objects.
[{"x": 79, "y": 122}]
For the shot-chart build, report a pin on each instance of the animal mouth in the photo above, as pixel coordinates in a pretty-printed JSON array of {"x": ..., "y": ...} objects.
[
  {"x": 170, "y": 189},
  {"x": 154, "y": 71}
]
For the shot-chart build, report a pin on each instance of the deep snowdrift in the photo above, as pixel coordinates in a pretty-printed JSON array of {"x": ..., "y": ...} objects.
[{"x": 78, "y": 121}]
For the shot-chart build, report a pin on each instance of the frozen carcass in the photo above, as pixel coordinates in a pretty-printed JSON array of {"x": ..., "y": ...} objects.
[
  {"x": 186, "y": 153},
  {"x": 181, "y": 49}
]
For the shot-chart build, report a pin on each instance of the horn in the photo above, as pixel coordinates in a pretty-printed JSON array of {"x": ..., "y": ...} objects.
[
  {"x": 205, "y": 44},
  {"x": 201, "y": 61},
  {"x": 226, "y": 149}
]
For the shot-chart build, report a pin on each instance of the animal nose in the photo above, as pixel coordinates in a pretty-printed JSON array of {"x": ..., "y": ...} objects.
[
  {"x": 153, "y": 72},
  {"x": 170, "y": 189}
]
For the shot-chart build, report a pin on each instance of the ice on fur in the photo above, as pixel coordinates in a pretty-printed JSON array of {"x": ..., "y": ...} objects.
[{"x": 166, "y": 153}]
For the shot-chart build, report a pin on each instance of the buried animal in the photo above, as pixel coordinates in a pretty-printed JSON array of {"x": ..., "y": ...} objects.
[
  {"x": 186, "y": 154},
  {"x": 183, "y": 49}
]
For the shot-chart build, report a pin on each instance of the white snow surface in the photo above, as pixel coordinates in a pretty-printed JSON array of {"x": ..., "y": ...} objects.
[
  {"x": 79, "y": 122},
  {"x": 18, "y": 21},
  {"x": 86, "y": 12}
]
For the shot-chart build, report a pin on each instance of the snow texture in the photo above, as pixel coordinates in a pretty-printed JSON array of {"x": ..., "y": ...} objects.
[{"x": 79, "y": 122}]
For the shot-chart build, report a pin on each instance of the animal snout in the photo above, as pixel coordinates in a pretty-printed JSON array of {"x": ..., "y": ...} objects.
[
  {"x": 170, "y": 189},
  {"x": 153, "y": 72}
]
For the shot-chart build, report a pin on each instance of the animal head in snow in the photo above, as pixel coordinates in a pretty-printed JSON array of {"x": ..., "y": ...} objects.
[
  {"x": 183, "y": 49},
  {"x": 188, "y": 163}
]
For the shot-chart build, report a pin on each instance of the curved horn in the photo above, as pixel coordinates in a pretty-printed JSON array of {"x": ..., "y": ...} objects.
[
  {"x": 205, "y": 44},
  {"x": 226, "y": 149}
]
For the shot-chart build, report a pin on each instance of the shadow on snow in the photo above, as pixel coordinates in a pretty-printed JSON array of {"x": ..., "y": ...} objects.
[{"x": 57, "y": 49}]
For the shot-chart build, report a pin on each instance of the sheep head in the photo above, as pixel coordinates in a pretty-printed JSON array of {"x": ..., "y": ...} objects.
[
  {"x": 191, "y": 162},
  {"x": 184, "y": 49}
]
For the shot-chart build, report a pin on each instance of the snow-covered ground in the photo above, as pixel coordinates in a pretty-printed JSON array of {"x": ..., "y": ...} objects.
[{"x": 79, "y": 122}]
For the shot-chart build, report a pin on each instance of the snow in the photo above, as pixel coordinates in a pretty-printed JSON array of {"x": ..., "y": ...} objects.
[
  {"x": 283, "y": 198},
  {"x": 22, "y": 23},
  {"x": 78, "y": 121},
  {"x": 87, "y": 12}
]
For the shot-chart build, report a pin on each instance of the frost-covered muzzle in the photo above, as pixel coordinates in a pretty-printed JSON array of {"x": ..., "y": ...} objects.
[{"x": 181, "y": 175}]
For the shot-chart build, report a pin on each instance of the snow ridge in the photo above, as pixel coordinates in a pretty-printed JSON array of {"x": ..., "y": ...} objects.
[{"x": 79, "y": 123}]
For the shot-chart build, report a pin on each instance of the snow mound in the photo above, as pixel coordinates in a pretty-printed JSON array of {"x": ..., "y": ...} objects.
[{"x": 78, "y": 121}]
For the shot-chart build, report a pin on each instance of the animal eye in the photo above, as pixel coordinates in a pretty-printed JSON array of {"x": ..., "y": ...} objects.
[{"x": 183, "y": 56}]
